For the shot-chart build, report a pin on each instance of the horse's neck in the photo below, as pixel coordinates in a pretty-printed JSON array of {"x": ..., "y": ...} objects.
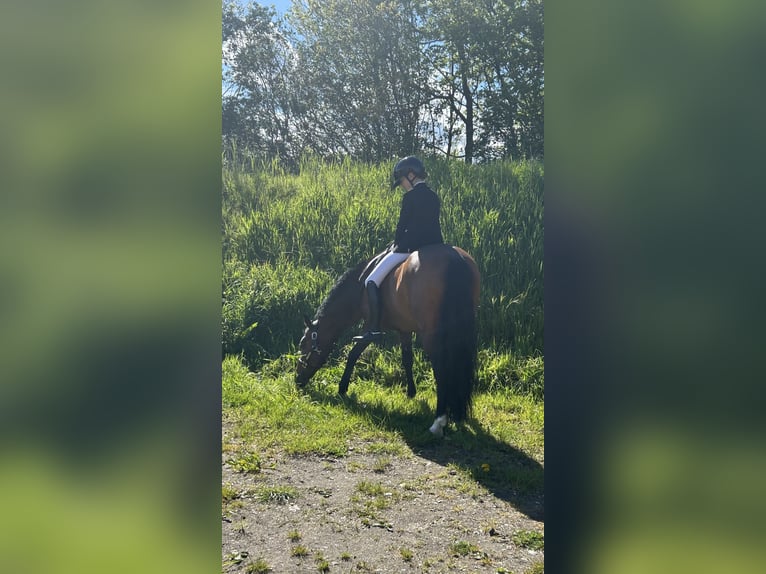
[{"x": 343, "y": 307}]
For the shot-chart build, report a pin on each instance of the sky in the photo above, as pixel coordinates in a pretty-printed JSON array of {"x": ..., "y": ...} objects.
[{"x": 281, "y": 6}]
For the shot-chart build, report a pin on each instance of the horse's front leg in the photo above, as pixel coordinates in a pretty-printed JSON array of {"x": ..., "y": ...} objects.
[
  {"x": 406, "y": 343},
  {"x": 353, "y": 356}
]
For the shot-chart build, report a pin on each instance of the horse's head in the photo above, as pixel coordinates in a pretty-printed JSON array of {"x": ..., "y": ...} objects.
[{"x": 314, "y": 348}]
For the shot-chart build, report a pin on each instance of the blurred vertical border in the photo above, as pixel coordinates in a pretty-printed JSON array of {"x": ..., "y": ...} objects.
[
  {"x": 654, "y": 286},
  {"x": 110, "y": 286}
]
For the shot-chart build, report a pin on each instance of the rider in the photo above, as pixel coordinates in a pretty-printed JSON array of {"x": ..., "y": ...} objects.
[{"x": 418, "y": 226}]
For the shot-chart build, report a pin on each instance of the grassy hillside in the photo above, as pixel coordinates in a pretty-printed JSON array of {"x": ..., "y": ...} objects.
[{"x": 287, "y": 237}]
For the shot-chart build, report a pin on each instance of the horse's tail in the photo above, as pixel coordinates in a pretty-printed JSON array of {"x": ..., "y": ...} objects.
[{"x": 454, "y": 357}]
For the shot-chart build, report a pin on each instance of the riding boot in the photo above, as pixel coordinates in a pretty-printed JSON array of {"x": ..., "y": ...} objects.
[{"x": 373, "y": 298}]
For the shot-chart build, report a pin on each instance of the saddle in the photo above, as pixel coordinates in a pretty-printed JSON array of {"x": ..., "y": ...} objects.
[{"x": 374, "y": 261}]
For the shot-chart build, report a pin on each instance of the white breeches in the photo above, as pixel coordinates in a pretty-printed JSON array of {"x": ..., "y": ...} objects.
[{"x": 385, "y": 266}]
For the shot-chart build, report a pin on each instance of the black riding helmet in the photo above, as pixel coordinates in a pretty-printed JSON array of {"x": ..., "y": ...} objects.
[{"x": 405, "y": 166}]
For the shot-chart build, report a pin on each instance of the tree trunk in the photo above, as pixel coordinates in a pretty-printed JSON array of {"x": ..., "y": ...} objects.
[{"x": 468, "y": 120}]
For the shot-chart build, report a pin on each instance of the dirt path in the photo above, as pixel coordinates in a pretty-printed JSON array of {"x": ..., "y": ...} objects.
[{"x": 373, "y": 513}]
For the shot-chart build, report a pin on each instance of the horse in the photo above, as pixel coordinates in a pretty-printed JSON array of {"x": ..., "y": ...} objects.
[{"x": 433, "y": 293}]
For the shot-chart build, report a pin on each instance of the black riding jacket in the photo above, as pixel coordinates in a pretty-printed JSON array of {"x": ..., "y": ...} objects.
[{"x": 418, "y": 220}]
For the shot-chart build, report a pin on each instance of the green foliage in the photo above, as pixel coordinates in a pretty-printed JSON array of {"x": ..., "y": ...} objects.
[
  {"x": 330, "y": 215},
  {"x": 260, "y": 566},
  {"x": 246, "y": 463},
  {"x": 370, "y": 488},
  {"x": 276, "y": 494},
  {"x": 531, "y": 539},
  {"x": 462, "y": 548},
  {"x": 228, "y": 493},
  {"x": 357, "y": 64},
  {"x": 525, "y": 375},
  {"x": 273, "y": 410},
  {"x": 287, "y": 237},
  {"x": 263, "y": 306}
]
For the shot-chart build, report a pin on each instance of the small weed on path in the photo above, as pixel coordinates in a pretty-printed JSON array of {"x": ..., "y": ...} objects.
[
  {"x": 463, "y": 548},
  {"x": 258, "y": 567},
  {"x": 529, "y": 539}
]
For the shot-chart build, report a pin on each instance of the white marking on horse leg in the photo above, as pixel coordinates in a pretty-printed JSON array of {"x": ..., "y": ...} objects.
[{"x": 438, "y": 427}]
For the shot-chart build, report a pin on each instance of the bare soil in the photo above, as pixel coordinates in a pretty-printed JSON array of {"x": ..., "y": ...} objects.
[{"x": 375, "y": 513}]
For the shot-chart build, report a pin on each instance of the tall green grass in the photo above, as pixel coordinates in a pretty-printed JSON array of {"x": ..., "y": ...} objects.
[{"x": 288, "y": 236}]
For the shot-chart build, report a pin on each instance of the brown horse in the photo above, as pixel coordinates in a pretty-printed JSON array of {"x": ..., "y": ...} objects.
[{"x": 434, "y": 293}]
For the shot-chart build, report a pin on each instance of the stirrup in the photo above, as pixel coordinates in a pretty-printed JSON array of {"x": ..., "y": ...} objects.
[{"x": 368, "y": 336}]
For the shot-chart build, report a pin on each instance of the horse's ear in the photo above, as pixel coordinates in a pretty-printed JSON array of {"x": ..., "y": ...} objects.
[{"x": 307, "y": 321}]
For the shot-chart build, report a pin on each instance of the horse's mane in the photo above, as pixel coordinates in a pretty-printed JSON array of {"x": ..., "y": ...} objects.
[{"x": 349, "y": 279}]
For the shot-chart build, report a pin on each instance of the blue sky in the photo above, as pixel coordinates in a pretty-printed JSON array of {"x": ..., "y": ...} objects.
[{"x": 281, "y": 6}]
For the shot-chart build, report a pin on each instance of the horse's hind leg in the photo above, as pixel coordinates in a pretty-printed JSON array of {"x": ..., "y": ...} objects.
[
  {"x": 437, "y": 428},
  {"x": 406, "y": 343},
  {"x": 441, "y": 413}
]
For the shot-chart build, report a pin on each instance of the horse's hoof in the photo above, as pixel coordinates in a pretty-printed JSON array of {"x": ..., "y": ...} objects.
[{"x": 437, "y": 429}]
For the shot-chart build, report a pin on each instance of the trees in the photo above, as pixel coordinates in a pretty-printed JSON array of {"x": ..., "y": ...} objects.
[
  {"x": 375, "y": 79},
  {"x": 360, "y": 65},
  {"x": 487, "y": 60},
  {"x": 258, "y": 64},
  {"x": 512, "y": 119}
]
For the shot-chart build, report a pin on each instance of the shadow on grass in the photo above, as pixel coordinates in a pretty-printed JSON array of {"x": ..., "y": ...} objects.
[{"x": 504, "y": 470}]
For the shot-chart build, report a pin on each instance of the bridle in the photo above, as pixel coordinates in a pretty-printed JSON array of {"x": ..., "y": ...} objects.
[{"x": 314, "y": 349}]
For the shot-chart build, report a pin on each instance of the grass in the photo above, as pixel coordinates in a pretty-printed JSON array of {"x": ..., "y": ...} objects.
[
  {"x": 463, "y": 548},
  {"x": 269, "y": 413},
  {"x": 499, "y": 370},
  {"x": 299, "y": 551},
  {"x": 230, "y": 499},
  {"x": 371, "y": 499},
  {"x": 531, "y": 539},
  {"x": 406, "y": 554},
  {"x": 286, "y": 236},
  {"x": 258, "y": 567},
  {"x": 370, "y": 488},
  {"x": 275, "y": 494},
  {"x": 228, "y": 493},
  {"x": 246, "y": 463},
  {"x": 321, "y": 562}
]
